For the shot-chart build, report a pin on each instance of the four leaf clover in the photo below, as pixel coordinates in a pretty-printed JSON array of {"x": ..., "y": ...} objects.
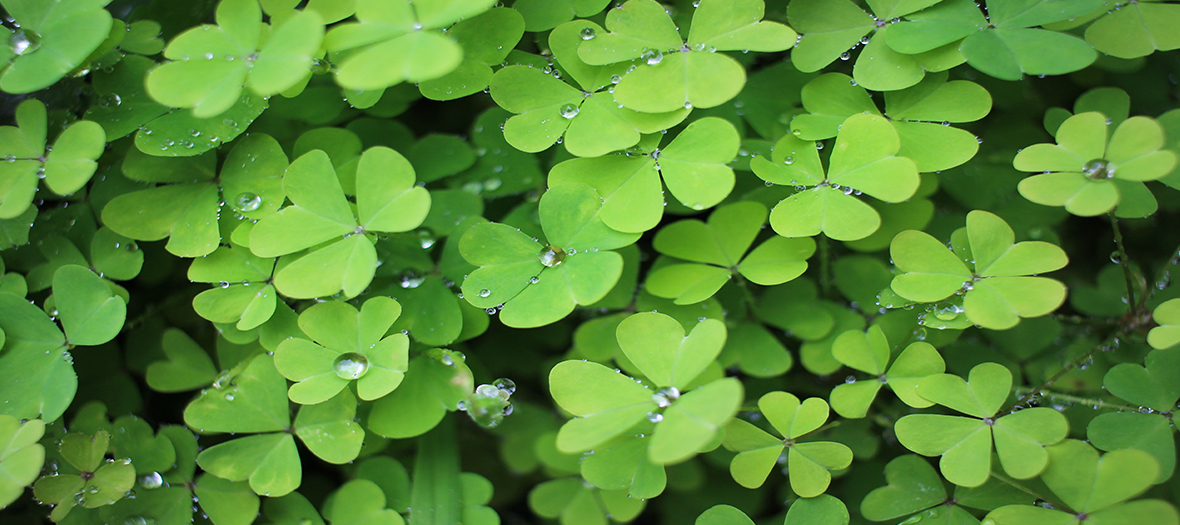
[
  {"x": 349, "y": 346},
  {"x": 989, "y": 271},
  {"x": 965, "y": 443},
  {"x": 1085, "y": 172},
  {"x": 809, "y": 463}
]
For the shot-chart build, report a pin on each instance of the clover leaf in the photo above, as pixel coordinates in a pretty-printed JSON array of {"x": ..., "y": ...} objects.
[
  {"x": 1150, "y": 432},
  {"x": 187, "y": 212},
  {"x": 723, "y": 515},
  {"x": 1167, "y": 316},
  {"x": 349, "y": 346},
  {"x": 1156, "y": 385},
  {"x": 571, "y": 501},
  {"x": 913, "y": 487},
  {"x": 244, "y": 294},
  {"x": 869, "y": 352},
  {"x": 66, "y": 166},
  {"x": 828, "y": 30},
  {"x": 1005, "y": 43},
  {"x": 808, "y": 463},
  {"x": 388, "y": 201},
  {"x": 486, "y": 40},
  {"x": 1094, "y": 489},
  {"x": 671, "y": 73},
  {"x": 965, "y": 443},
  {"x": 543, "y": 15},
  {"x": 21, "y": 456},
  {"x": 360, "y": 501},
  {"x": 996, "y": 288},
  {"x": 51, "y": 40},
  {"x": 88, "y": 479},
  {"x": 210, "y": 64},
  {"x": 1135, "y": 29},
  {"x": 693, "y": 167},
  {"x": 1086, "y": 172},
  {"x": 921, "y": 115},
  {"x": 622, "y": 464},
  {"x": 608, "y": 403},
  {"x": 180, "y": 133},
  {"x": 112, "y": 256},
  {"x": 436, "y": 382},
  {"x": 541, "y": 283},
  {"x": 587, "y": 121},
  {"x": 732, "y": 229},
  {"x": 251, "y": 399},
  {"x": 864, "y": 159},
  {"x": 391, "y": 44}
]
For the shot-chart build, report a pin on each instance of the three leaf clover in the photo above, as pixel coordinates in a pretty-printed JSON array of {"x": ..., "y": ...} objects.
[
  {"x": 1154, "y": 388},
  {"x": 693, "y": 166},
  {"x": 540, "y": 283},
  {"x": 387, "y": 201},
  {"x": 731, "y": 230},
  {"x": 809, "y": 463},
  {"x": 52, "y": 39},
  {"x": 588, "y": 121},
  {"x": 90, "y": 480},
  {"x": 210, "y": 64},
  {"x": 965, "y": 443},
  {"x": 1094, "y": 489},
  {"x": 1005, "y": 43},
  {"x": 914, "y": 487},
  {"x": 36, "y": 360},
  {"x": 672, "y": 73},
  {"x": 392, "y": 43},
  {"x": 864, "y": 159},
  {"x": 1087, "y": 173},
  {"x": 989, "y": 271},
  {"x": 349, "y": 346},
  {"x": 243, "y": 294},
  {"x": 66, "y": 166},
  {"x": 253, "y": 400},
  {"x": 869, "y": 352},
  {"x": 1134, "y": 29},
  {"x": 608, "y": 403}
]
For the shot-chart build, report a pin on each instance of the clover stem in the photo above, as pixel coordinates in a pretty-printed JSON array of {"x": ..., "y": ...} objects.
[
  {"x": 1078, "y": 400},
  {"x": 1087, "y": 357},
  {"x": 749, "y": 297},
  {"x": 825, "y": 265},
  {"x": 1124, "y": 262},
  {"x": 1005, "y": 479}
]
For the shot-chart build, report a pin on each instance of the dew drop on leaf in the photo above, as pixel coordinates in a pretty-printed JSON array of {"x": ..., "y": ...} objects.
[
  {"x": 247, "y": 201},
  {"x": 152, "y": 481},
  {"x": 551, "y": 255},
  {"x": 350, "y": 366},
  {"x": 1098, "y": 169},
  {"x": 110, "y": 100},
  {"x": 569, "y": 111},
  {"x": 24, "y": 41},
  {"x": 587, "y": 33},
  {"x": 484, "y": 293}
]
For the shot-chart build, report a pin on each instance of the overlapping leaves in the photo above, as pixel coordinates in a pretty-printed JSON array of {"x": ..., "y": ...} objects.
[
  {"x": 869, "y": 352},
  {"x": 990, "y": 272},
  {"x": 66, "y": 166}
]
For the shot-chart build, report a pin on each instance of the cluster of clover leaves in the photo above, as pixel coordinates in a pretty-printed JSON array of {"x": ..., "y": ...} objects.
[{"x": 342, "y": 264}]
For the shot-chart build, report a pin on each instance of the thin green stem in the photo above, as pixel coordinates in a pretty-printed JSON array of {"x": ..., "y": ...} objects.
[
  {"x": 1124, "y": 261},
  {"x": 1078, "y": 400},
  {"x": 747, "y": 294},
  {"x": 1087, "y": 357},
  {"x": 1164, "y": 277}
]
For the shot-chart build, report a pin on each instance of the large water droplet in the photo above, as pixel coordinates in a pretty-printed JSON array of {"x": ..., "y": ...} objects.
[
  {"x": 587, "y": 33},
  {"x": 247, "y": 201},
  {"x": 947, "y": 311},
  {"x": 652, "y": 57},
  {"x": 551, "y": 255},
  {"x": 484, "y": 293},
  {"x": 569, "y": 111},
  {"x": 110, "y": 100},
  {"x": 24, "y": 41},
  {"x": 351, "y": 366},
  {"x": 1098, "y": 169}
]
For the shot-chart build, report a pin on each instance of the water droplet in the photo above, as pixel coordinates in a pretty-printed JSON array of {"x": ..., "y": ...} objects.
[
  {"x": 247, "y": 201},
  {"x": 666, "y": 396},
  {"x": 588, "y": 33},
  {"x": 845, "y": 56},
  {"x": 350, "y": 366},
  {"x": 1098, "y": 169},
  {"x": 655, "y": 417},
  {"x": 110, "y": 100},
  {"x": 551, "y": 255},
  {"x": 24, "y": 41},
  {"x": 651, "y": 57},
  {"x": 569, "y": 111},
  {"x": 152, "y": 481},
  {"x": 615, "y": 79},
  {"x": 947, "y": 311},
  {"x": 485, "y": 293}
]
